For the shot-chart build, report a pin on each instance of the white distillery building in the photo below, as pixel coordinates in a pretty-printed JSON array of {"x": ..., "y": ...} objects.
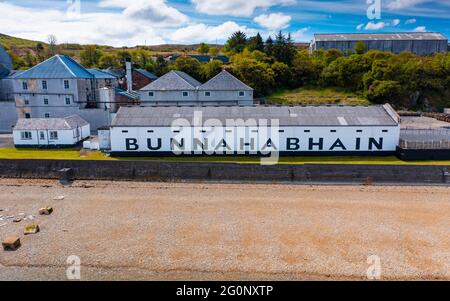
[
  {"x": 255, "y": 130},
  {"x": 50, "y": 132}
]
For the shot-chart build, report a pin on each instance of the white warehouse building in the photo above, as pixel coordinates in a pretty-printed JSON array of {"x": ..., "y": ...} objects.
[
  {"x": 255, "y": 130},
  {"x": 51, "y": 132}
]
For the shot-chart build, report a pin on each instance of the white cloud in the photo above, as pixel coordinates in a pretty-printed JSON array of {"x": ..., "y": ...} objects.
[
  {"x": 299, "y": 35},
  {"x": 395, "y": 22},
  {"x": 401, "y": 4},
  {"x": 237, "y": 8},
  {"x": 156, "y": 12},
  {"x": 420, "y": 29},
  {"x": 274, "y": 21},
  {"x": 360, "y": 26},
  {"x": 100, "y": 28},
  {"x": 205, "y": 33},
  {"x": 375, "y": 26},
  {"x": 410, "y": 21}
]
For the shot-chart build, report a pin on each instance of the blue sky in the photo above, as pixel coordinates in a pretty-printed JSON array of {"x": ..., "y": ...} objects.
[{"x": 151, "y": 22}]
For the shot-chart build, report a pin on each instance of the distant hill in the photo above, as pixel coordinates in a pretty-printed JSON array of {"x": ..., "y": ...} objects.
[{"x": 10, "y": 42}]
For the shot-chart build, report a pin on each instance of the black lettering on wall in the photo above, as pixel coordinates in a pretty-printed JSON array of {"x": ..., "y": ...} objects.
[
  {"x": 293, "y": 144},
  {"x": 178, "y": 145},
  {"x": 339, "y": 144},
  {"x": 131, "y": 144},
  {"x": 153, "y": 148},
  {"x": 222, "y": 144},
  {"x": 312, "y": 144},
  {"x": 378, "y": 144},
  {"x": 358, "y": 143}
]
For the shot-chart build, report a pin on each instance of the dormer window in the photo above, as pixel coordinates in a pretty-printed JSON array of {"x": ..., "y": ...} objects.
[
  {"x": 208, "y": 94},
  {"x": 241, "y": 93},
  {"x": 25, "y": 85},
  {"x": 185, "y": 94},
  {"x": 66, "y": 84}
]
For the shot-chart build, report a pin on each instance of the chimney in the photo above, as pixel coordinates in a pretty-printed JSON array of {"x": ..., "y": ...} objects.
[{"x": 129, "y": 67}]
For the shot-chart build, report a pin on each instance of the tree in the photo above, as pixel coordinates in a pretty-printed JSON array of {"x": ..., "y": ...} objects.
[
  {"x": 384, "y": 91},
  {"x": 237, "y": 42},
  {"x": 188, "y": 65},
  {"x": 203, "y": 49},
  {"x": 268, "y": 49},
  {"x": 257, "y": 75},
  {"x": 90, "y": 56},
  {"x": 304, "y": 69},
  {"x": 52, "y": 45},
  {"x": 29, "y": 59},
  {"x": 214, "y": 51},
  {"x": 256, "y": 43},
  {"x": 109, "y": 61},
  {"x": 161, "y": 66},
  {"x": 282, "y": 75},
  {"x": 283, "y": 49},
  {"x": 360, "y": 48},
  {"x": 211, "y": 69}
]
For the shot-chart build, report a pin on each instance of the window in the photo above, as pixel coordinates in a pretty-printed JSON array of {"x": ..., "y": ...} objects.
[
  {"x": 150, "y": 131},
  {"x": 359, "y": 131},
  {"x": 241, "y": 93},
  {"x": 44, "y": 85},
  {"x": 26, "y": 135},
  {"x": 307, "y": 131},
  {"x": 42, "y": 135},
  {"x": 53, "y": 135},
  {"x": 27, "y": 115},
  {"x": 185, "y": 94},
  {"x": 385, "y": 131},
  {"x": 151, "y": 94},
  {"x": 66, "y": 84},
  {"x": 124, "y": 132},
  {"x": 25, "y": 85},
  {"x": 207, "y": 94},
  {"x": 67, "y": 100},
  {"x": 47, "y": 115},
  {"x": 45, "y": 101},
  {"x": 27, "y": 101},
  {"x": 281, "y": 131},
  {"x": 333, "y": 131}
]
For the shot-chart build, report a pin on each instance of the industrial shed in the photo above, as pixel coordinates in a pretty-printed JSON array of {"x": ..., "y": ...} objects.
[
  {"x": 50, "y": 132},
  {"x": 255, "y": 130},
  {"x": 421, "y": 43}
]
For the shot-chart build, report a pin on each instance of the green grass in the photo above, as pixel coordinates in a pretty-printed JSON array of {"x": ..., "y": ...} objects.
[
  {"x": 63, "y": 154},
  {"x": 316, "y": 96},
  {"x": 75, "y": 154},
  {"x": 8, "y": 42}
]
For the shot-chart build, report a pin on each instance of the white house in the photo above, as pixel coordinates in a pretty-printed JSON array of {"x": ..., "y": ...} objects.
[{"x": 50, "y": 132}]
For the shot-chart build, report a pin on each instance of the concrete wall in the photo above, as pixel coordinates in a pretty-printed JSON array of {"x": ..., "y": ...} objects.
[
  {"x": 161, "y": 171},
  {"x": 8, "y": 116}
]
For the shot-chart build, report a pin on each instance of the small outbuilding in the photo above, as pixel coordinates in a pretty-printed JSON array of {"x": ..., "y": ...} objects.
[{"x": 51, "y": 132}]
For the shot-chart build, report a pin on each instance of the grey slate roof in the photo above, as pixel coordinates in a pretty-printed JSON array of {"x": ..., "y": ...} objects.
[
  {"x": 224, "y": 81},
  {"x": 287, "y": 116},
  {"x": 406, "y": 36},
  {"x": 173, "y": 81},
  {"x": 147, "y": 74},
  {"x": 4, "y": 72},
  {"x": 56, "y": 67},
  {"x": 5, "y": 59},
  {"x": 67, "y": 123}
]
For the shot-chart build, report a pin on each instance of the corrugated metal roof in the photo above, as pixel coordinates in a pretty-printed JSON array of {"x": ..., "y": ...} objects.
[
  {"x": 407, "y": 36},
  {"x": 56, "y": 67},
  {"x": 224, "y": 81},
  {"x": 100, "y": 74},
  {"x": 287, "y": 116},
  {"x": 5, "y": 59},
  {"x": 67, "y": 123},
  {"x": 173, "y": 81}
]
